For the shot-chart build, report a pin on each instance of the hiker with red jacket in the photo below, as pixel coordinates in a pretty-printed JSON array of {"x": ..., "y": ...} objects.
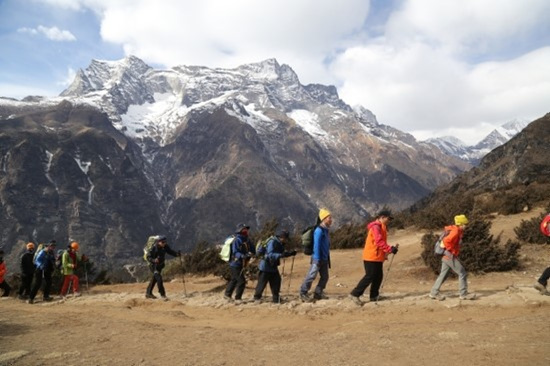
[
  {"x": 242, "y": 250},
  {"x": 450, "y": 262},
  {"x": 3, "y": 284},
  {"x": 375, "y": 253},
  {"x": 156, "y": 257},
  {"x": 27, "y": 271},
  {"x": 542, "y": 282}
]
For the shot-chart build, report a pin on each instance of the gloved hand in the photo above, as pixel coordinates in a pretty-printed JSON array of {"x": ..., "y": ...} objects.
[
  {"x": 292, "y": 254},
  {"x": 394, "y": 250}
]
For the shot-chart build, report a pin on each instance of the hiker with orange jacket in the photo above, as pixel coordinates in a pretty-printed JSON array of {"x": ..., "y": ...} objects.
[
  {"x": 375, "y": 253},
  {"x": 3, "y": 284},
  {"x": 542, "y": 282},
  {"x": 450, "y": 262}
]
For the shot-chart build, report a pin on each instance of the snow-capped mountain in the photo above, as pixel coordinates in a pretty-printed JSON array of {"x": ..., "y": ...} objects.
[
  {"x": 128, "y": 150},
  {"x": 453, "y": 146}
]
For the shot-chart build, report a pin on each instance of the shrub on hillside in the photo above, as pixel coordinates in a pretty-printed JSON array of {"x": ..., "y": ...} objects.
[
  {"x": 348, "y": 236},
  {"x": 529, "y": 230},
  {"x": 480, "y": 251}
]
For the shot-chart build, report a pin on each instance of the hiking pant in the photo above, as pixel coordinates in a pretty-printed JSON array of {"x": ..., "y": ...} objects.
[
  {"x": 26, "y": 282},
  {"x": 4, "y": 286},
  {"x": 274, "y": 279},
  {"x": 156, "y": 280},
  {"x": 237, "y": 282},
  {"x": 543, "y": 280},
  {"x": 67, "y": 279},
  {"x": 374, "y": 272},
  {"x": 316, "y": 267},
  {"x": 40, "y": 274},
  {"x": 455, "y": 266}
]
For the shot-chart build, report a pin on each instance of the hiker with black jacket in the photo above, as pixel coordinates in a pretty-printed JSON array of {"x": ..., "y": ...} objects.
[
  {"x": 156, "y": 257},
  {"x": 269, "y": 271},
  {"x": 45, "y": 266},
  {"x": 242, "y": 251},
  {"x": 27, "y": 271}
]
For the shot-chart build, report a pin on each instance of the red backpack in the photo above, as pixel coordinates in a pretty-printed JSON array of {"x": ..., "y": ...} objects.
[{"x": 545, "y": 225}]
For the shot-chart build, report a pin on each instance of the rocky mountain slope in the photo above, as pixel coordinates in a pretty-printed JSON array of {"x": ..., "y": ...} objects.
[{"x": 128, "y": 151}]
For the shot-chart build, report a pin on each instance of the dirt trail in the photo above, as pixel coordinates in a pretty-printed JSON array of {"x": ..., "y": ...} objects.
[{"x": 115, "y": 325}]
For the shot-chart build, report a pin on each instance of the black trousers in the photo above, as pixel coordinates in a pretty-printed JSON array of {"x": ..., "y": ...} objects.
[
  {"x": 156, "y": 280},
  {"x": 237, "y": 282},
  {"x": 374, "y": 273},
  {"x": 40, "y": 274},
  {"x": 543, "y": 280},
  {"x": 4, "y": 286},
  {"x": 274, "y": 280},
  {"x": 26, "y": 282}
]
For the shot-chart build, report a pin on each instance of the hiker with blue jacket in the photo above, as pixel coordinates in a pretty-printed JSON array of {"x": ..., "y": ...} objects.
[
  {"x": 156, "y": 257},
  {"x": 45, "y": 266},
  {"x": 320, "y": 259},
  {"x": 242, "y": 251},
  {"x": 269, "y": 271}
]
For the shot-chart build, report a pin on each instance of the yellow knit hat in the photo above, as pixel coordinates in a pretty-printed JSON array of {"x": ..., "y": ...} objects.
[
  {"x": 461, "y": 220},
  {"x": 323, "y": 214}
]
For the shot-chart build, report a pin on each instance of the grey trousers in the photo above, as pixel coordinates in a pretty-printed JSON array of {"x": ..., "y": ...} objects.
[
  {"x": 316, "y": 267},
  {"x": 455, "y": 266}
]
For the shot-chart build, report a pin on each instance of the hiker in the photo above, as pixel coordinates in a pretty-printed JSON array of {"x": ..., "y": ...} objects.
[
  {"x": 27, "y": 271},
  {"x": 3, "y": 283},
  {"x": 269, "y": 271},
  {"x": 44, "y": 267},
  {"x": 156, "y": 259},
  {"x": 242, "y": 250},
  {"x": 542, "y": 282},
  {"x": 70, "y": 261},
  {"x": 320, "y": 259},
  {"x": 375, "y": 252},
  {"x": 452, "y": 241}
]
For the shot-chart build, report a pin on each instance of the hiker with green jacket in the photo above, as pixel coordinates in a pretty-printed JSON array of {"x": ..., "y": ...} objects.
[
  {"x": 70, "y": 261},
  {"x": 269, "y": 271},
  {"x": 156, "y": 257}
]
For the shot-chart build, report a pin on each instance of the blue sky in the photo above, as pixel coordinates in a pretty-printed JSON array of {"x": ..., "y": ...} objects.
[{"x": 428, "y": 67}]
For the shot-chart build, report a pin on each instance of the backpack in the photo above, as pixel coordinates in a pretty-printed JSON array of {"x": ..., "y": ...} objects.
[
  {"x": 38, "y": 249},
  {"x": 439, "y": 247},
  {"x": 150, "y": 242},
  {"x": 59, "y": 259},
  {"x": 307, "y": 239},
  {"x": 261, "y": 247},
  {"x": 545, "y": 225},
  {"x": 225, "y": 252}
]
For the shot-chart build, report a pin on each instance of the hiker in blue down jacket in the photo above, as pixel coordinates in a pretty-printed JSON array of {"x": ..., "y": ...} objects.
[
  {"x": 241, "y": 252},
  {"x": 269, "y": 271},
  {"x": 320, "y": 259},
  {"x": 45, "y": 266}
]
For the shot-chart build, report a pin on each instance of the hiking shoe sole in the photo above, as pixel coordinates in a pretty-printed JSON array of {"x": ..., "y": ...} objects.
[
  {"x": 356, "y": 300},
  {"x": 437, "y": 297},
  {"x": 468, "y": 297},
  {"x": 150, "y": 296},
  {"x": 305, "y": 298},
  {"x": 541, "y": 288}
]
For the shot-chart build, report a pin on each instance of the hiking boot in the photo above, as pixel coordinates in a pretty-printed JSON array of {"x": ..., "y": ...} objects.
[
  {"x": 228, "y": 298},
  {"x": 305, "y": 298},
  {"x": 150, "y": 296},
  {"x": 257, "y": 301},
  {"x": 164, "y": 298},
  {"x": 356, "y": 300},
  {"x": 379, "y": 298},
  {"x": 77, "y": 294},
  {"x": 21, "y": 297},
  {"x": 30, "y": 301},
  {"x": 238, "y": 301},
  {"x": 541, "y": 288},
  {"x": 468, "y": 297},
  {"x": 320, "y": 296},
  {"x": 47, "y": 298},
  {"x": 437, "y": 297}
]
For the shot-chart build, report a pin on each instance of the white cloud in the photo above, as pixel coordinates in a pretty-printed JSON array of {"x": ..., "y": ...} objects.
[{"x": 52, "y": 33}]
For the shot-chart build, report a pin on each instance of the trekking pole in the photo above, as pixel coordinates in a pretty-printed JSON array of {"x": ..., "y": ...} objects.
[
  {"x": 387, "y": 274},
  {"x": 282, "y": 279},
  {"x": 290, "y": 276},
  {"x": 183, "y": 277}
]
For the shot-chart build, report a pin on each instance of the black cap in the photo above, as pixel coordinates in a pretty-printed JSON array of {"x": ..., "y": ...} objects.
[
  {"x": 282, "y": 234},
  {"x": 52, "y": 242},
  {"x": 240, "y": 228},
  {"x": 386, "y": 213}
]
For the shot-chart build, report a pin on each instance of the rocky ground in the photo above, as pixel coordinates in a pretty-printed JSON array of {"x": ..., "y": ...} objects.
[{"x": 508, "y": 324}]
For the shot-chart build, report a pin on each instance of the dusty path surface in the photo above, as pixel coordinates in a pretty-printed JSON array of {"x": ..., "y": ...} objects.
[{"x": 509, "y": 323}]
